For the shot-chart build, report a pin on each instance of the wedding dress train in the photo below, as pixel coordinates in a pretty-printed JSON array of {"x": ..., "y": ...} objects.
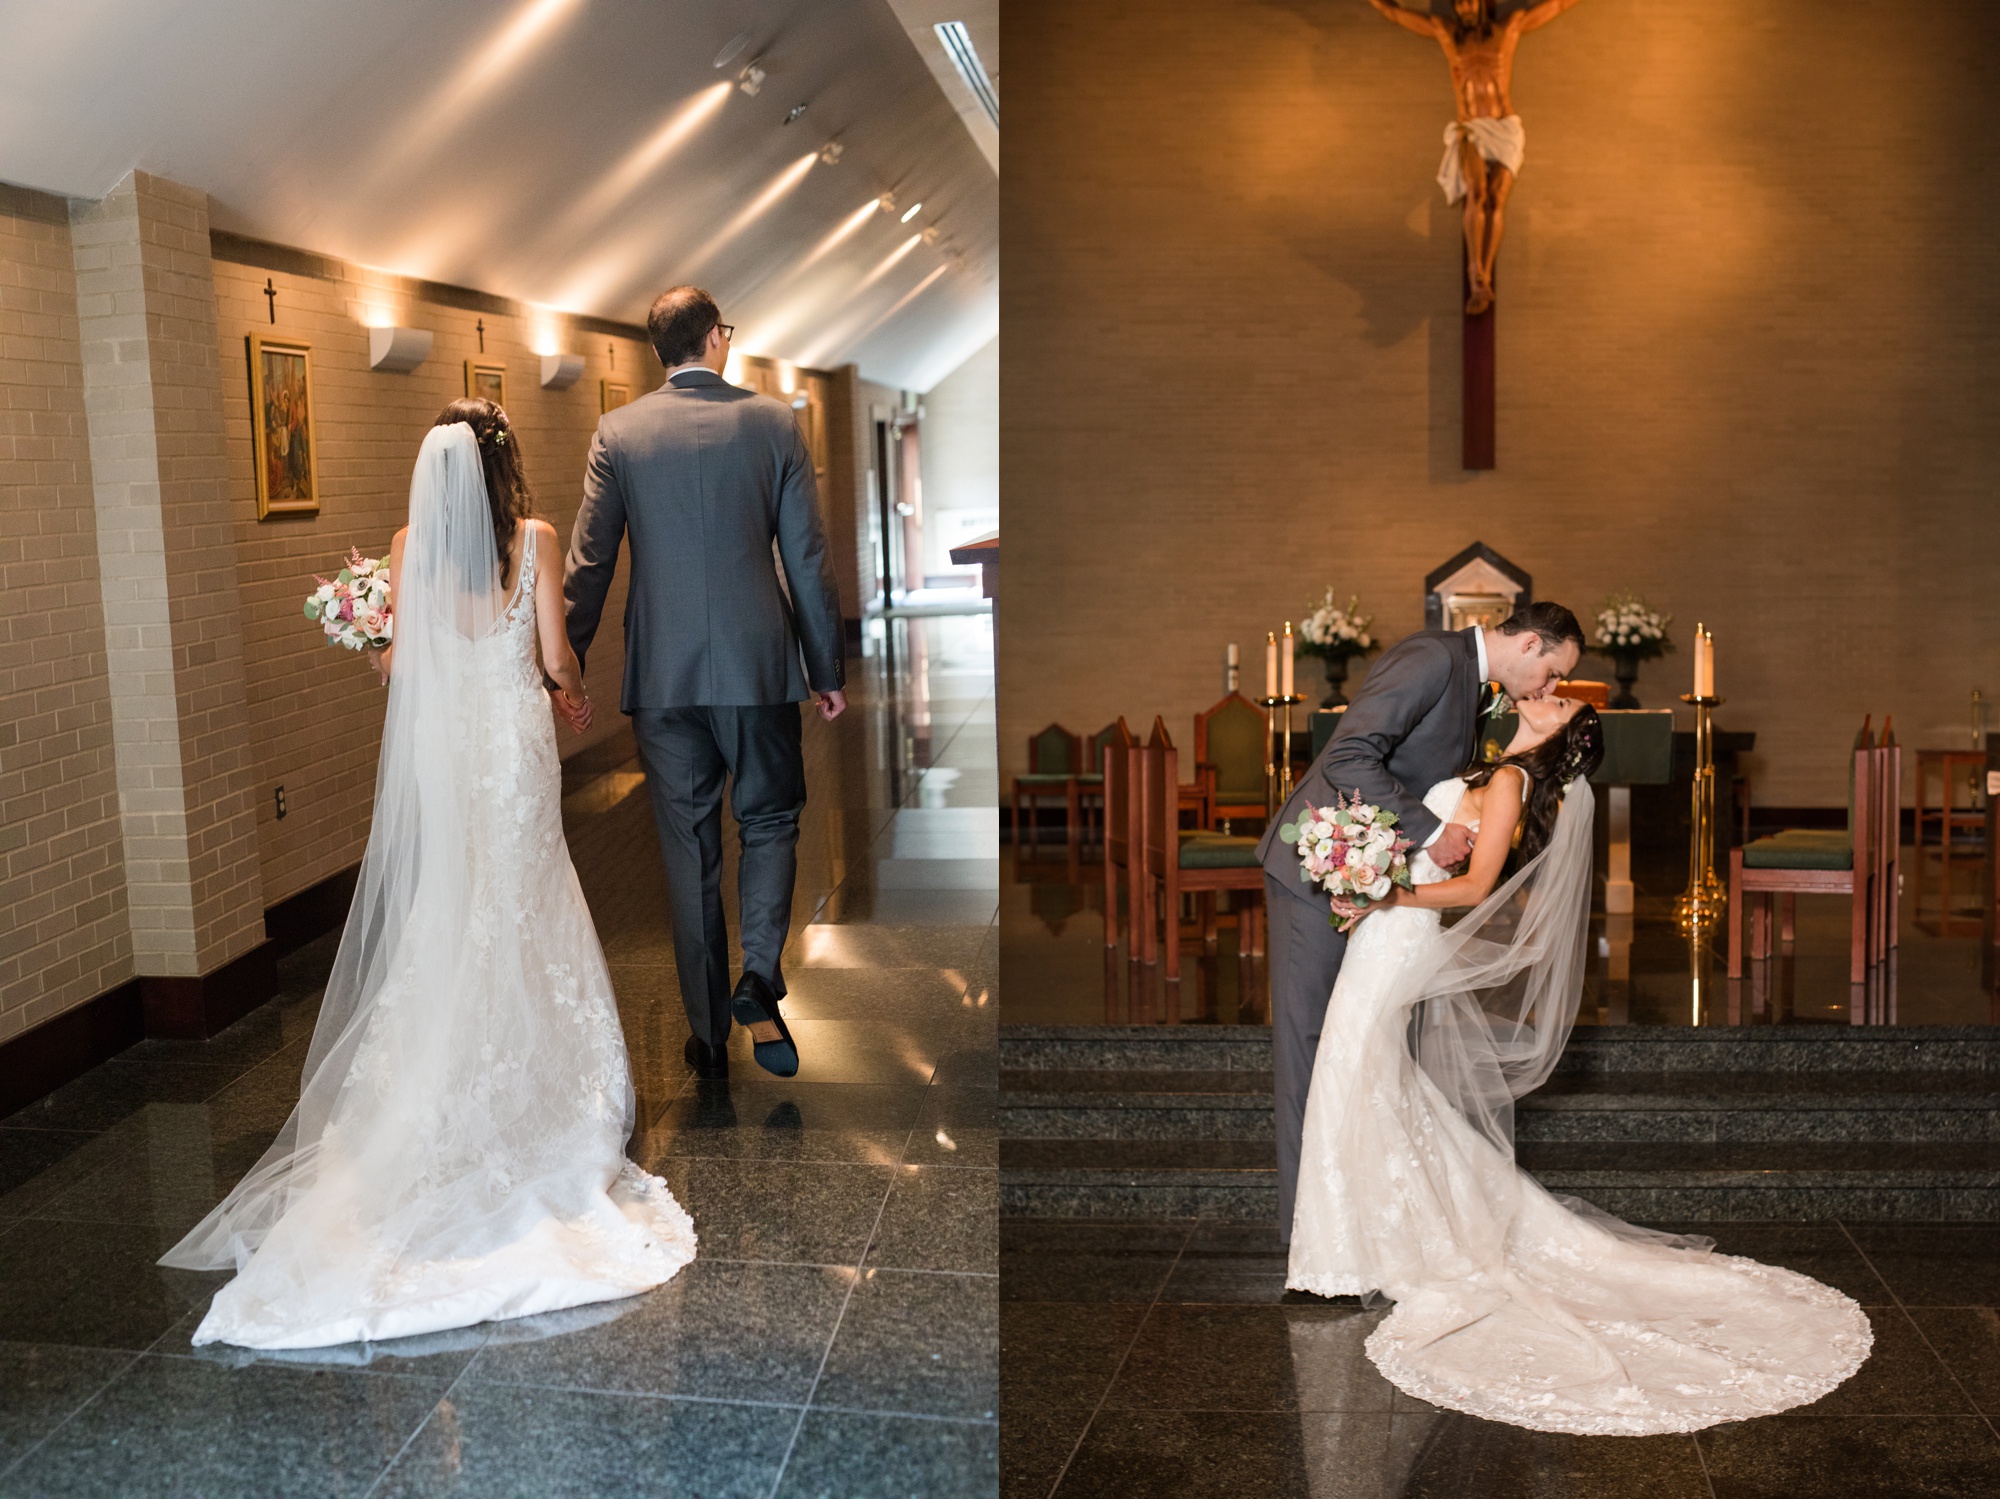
[
  {"x": 1511, "y": 1303},
  {"x": 457, "y": 1153}
]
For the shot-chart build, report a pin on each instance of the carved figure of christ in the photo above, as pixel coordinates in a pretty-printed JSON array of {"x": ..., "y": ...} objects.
[{"x": 1483, "y": 146}]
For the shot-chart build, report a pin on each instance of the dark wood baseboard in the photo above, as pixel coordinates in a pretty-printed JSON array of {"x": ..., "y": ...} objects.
[
  {"x": 38, "y": 1061},
  {"x": 193, "y": 1009}
]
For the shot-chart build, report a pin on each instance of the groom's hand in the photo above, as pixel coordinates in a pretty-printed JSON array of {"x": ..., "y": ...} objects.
[
  {"x": 830, "y": 704},
  {"x": 1453, "y": 846}
]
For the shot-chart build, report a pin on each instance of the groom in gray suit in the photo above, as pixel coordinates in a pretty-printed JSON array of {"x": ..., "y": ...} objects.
[
  {"x": 1414, "y": 722},
  {"x": 705, "y": 478}
]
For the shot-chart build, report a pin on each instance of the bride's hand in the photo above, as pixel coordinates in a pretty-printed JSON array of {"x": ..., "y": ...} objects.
[{"x": 577, "y": 712}]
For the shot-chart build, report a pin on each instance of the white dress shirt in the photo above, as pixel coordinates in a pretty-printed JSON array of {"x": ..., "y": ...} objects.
[{"x": 1479, "y": 648}]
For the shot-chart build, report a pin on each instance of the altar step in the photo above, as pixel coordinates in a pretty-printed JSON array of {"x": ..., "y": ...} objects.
[{"x": 1773, "y": 1123}]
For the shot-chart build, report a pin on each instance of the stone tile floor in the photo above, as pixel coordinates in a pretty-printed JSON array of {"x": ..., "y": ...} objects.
[
  {"x": 1166, "y": 1359},
  {"x": 836, "y": 1336}
]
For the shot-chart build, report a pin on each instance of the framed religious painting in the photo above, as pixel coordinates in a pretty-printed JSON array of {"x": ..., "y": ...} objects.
[
  {"x": 284, "y": 432},
  {"x": 613, "y": 394},
  {"x": 485, "y": 381}
]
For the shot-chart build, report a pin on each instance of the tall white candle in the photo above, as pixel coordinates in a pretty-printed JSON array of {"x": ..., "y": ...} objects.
[
  {"x": 1270, "y": 663},
  {"x": 1285, "y": 664},
  {"x": 1704, "y": 663},
  {"x": 1232, "y": 653}
]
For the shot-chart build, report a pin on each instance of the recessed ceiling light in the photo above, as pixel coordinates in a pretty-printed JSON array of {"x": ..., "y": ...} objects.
[
  {"x": 910, "y": 213},
  {"x": 797, "y": 110},
  {"x": 730, "y": 49}
]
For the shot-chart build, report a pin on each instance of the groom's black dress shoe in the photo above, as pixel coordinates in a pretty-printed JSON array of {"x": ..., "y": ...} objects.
[
  {"x": 707, "y": 1061},
  {"x": 752, "y": 1002}
]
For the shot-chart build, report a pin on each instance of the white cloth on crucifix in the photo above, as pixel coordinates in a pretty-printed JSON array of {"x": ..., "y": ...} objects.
[{"x": 1504, "y": 141}]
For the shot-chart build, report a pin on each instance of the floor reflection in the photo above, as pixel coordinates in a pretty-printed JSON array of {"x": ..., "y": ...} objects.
[
  {"x": 837, "y": 1329},
  {"x": 1644, "y": 970}
]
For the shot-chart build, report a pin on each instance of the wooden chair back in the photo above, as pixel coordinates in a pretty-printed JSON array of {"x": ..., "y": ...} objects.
[
  {"x": 1888, "y": 839},
  {"x": 1232, "y": 742},
  {"x": 1055, "y": 751},
  {"x": 1101, "y": 738},
  {"x": 1116, "y": 762}
]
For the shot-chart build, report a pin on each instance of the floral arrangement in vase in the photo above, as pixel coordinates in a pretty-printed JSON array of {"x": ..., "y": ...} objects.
[
  {"x": 1336, "y": 633},
  {"x": 1630, "y": 630}
]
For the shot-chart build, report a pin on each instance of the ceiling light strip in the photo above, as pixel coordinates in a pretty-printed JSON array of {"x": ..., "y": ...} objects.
[{"x": 957, "y": 42}]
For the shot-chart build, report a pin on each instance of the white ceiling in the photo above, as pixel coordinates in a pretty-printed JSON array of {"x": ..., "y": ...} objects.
[{"x": 528, "y": 148}]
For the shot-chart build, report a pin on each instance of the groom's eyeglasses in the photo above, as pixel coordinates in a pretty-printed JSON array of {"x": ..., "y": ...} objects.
[{"x": 728, "y": 332}]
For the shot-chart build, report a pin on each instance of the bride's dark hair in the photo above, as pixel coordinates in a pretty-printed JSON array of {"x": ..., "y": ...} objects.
[
  {"x": 507, "y": 492},
  {"x": 1577, "y": 749}
]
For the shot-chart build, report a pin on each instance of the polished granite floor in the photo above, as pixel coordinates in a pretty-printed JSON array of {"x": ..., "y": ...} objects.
[
  {"x": 1643, "y": 971},
  {"x": 834, "y": 1338},
  {"x": 1166, "y": 1361}
]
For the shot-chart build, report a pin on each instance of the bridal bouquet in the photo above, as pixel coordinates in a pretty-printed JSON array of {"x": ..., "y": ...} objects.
[
  {"x": 353, "y": 608},
  {"x": 1352, "y": 851}
]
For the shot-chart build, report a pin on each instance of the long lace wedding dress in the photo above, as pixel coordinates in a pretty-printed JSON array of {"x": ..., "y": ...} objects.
[
  {"x": 1510, "y": 1303},
  {"x": 457, "y": 1153}
]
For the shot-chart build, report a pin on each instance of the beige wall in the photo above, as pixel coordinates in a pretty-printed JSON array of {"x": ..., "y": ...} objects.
[
  {"x": 1747, "y": 308},
  {"x": 961, "y": 458},
  {"x": 371, "y": 425},
  {"x": 64, "y": 931}
]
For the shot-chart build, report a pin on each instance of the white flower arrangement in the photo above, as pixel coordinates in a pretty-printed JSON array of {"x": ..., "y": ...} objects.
[
  {"x": 1628, "y": 626},
  {"x": 1336, "y": 631}
]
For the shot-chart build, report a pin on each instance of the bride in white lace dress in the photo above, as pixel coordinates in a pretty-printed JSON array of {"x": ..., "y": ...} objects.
[
  {"x": 458, "y": 1151},
  {"x": 1511, "y": 1303}
]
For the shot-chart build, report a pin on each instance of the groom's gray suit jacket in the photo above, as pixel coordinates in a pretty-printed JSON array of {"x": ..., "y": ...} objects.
[
  {"x": 1413, "y": 723},
  {"x": 704, "y": 476}
]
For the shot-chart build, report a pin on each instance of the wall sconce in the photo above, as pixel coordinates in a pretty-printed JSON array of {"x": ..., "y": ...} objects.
[
  {"x": 398, "y": 350},
  {"x": 561, "y": 371}
]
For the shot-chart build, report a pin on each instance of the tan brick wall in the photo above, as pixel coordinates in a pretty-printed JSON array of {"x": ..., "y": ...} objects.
[
  {"x": 146, "y": 314},
  {"x": 1747, "y": 304},
  {"x": 64, "y": 932},
  {"x": 315, "y": 711}
]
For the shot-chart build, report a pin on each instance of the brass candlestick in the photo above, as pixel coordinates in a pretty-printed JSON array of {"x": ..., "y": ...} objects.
[
  {"x": 1701, "y": 906},
  {"x": 1278, "y": 777}
]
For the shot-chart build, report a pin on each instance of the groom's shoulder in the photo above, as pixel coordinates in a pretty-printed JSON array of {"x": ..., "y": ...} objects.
[
  {"x": 668, "y": 405},
  {"x": 1430, "y": 646}
]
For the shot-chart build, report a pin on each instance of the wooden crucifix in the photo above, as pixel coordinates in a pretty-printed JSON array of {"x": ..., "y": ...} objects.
[
  {"x": 1483, "y": 147},
  {"x": 271, "y": 292}
]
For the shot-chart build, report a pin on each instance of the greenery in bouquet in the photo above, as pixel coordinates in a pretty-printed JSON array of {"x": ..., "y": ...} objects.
[
  {"x": 1629, "y": 627},
  {"x": 1336, "y": 632}
]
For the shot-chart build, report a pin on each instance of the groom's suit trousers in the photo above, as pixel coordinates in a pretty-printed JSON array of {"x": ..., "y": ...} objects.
[
  {"x": 1303, "y": 953},
  {"x": 687, "y": 753}
]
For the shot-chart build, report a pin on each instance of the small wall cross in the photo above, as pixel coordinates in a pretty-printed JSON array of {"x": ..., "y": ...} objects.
[{"x": 271, "y": 292}]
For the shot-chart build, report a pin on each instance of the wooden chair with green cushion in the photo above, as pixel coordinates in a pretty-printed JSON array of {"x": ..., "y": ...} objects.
[
  {"x": 1055, "y": 759},
  {"x": 1090, "y": 784},
  {"x": 1173, "y": 860},
  {"x": 1814, "y": 861},
  {"x": 1232, "y": 741},
  {"x": 1116, "y": 764},
  {"x": 1888, "y": 839}
]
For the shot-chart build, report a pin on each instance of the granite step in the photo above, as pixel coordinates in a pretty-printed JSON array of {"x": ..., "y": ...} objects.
[
  {"x": 1592, "y": 1049},
  {"x": 1742, "y": 1181},
  {"x": 1577, "y": 1107}
]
